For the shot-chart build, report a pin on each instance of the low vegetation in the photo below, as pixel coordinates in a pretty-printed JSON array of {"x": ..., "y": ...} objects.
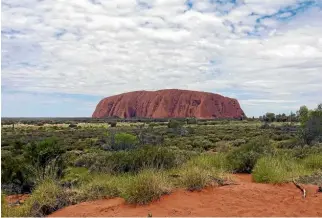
[
  {"x": 277, "y": 170},
  {"x": 66, "y": 162},
  {"x": 145, "y": 187}
]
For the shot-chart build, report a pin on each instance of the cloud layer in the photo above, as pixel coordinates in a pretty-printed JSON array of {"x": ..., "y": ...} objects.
[{"x": 268, "y": 54}]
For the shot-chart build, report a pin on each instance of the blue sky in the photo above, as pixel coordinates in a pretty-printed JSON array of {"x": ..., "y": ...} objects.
[{"x": 59, "y": 58}]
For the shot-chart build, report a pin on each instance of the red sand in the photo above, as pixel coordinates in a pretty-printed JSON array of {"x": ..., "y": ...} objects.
[
  {"x": 15, "y": 198},
  {"x": 244, "y": 199}
]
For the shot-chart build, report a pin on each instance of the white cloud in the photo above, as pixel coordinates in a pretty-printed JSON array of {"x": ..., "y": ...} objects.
[{"x": 117, "y": 46}]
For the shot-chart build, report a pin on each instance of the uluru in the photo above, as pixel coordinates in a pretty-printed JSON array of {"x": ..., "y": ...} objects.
[{"x": 168, "y": 103}]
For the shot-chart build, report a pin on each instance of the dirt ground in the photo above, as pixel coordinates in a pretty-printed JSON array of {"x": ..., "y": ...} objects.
[
  {"x": 243, "y": 199},
  {"x": 12, "y": 199}
]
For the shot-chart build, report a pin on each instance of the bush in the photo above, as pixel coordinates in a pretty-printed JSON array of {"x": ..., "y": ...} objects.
[
  {"x": 243, "y": 159},
  {"x": 113, "y": 123},
  {"x": 74, "y": 175},
  {"x": 238, "y": 142},
  {"x": 314, "y": 179},
  {"x": 217, "y": 162},
  {"x": 15, "y": 173},
  {"x": 133, "y": 161},
  {"x": 311, "y": 125},
  {"x": 174, "y": 124},
  {"x": 302, "y": 152},
  {"x": 122, "y": 141},
  {"x": 192, "y": 121},
  {"x": 145, "y": 187},
  {"x": 313, "y": 162},
  {"x": 276, "y": 170},
  {"x": 200, "y": 142},
  {"x": 72, "y": 125},
  {"x": 45, "y": 157},
  {"x": 222, "y": 146},
  {"x": 290, "y": 143},
  {"x": 157, "y": 158}
]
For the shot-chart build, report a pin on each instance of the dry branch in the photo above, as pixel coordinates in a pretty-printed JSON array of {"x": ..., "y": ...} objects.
[{"x": 301, "y": 188}]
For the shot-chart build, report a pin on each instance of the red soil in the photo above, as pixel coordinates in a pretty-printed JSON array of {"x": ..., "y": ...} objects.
[
  {"x": 168, "y": 103},
  {"x": 16, "y": 198},
  {"x": 244, "y": 199}
]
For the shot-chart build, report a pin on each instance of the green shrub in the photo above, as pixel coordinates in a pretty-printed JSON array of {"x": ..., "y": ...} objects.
[
  {"x": 227, "y": 138},
  {"x": 45, "y": 157},
  {"x": 157, "y": 158},
  {"x": 216, "y": 162},
  {"x": 145, "y": 187},
  {"x": 277, "y": 170},
  {"x": 313, "y": 162},
  {"x": 113, "y": 123},
  {"x": 133, "y": 161},
  {"x": 200, "y": 142},
  {"x": 222, "y": 146},
  {"x": 15, "y": 172},
  {"x": 302, "y": 152},
  {"x": 74, "y": 175},
  {"x": 192, "y": 121},
  {"x": 238, "y": 142},
  {"x": 243, "y": 159},
  {"x": 174, "y": 124},
  {"x": 124, "y": 141},
  {"x": 314, "y": 179},
  {"x": 290, "y": 143},
  {"x": 280, "y": 137},
  {"x": 88, "y": 159}
]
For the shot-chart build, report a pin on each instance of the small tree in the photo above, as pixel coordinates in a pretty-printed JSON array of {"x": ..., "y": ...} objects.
[
  {"x": 45, "y": 156},
  {"x": 192, "y": 120},
  {"x": 174, "y": 124},
  {"x": 270, "y": 117},
  {"x": 113, "y": 123},
  {"x": 311, "y": 124},
  {"x": 303, "y": 114}
]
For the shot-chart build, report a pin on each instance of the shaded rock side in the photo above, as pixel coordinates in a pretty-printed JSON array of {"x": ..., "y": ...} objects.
[{"x": 169, "y": 103}]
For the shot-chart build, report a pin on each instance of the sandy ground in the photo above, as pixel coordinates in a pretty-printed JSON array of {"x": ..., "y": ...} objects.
[
  {"x": 11, "y": 199},
  {"x": 244, "y": 199}
]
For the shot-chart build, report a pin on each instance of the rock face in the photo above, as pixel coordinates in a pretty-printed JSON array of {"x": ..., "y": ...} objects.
[{"x": 168, "y": 103}]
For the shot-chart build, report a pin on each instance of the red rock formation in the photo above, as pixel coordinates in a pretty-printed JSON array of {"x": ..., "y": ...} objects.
[{"x": 168, "y": 103}]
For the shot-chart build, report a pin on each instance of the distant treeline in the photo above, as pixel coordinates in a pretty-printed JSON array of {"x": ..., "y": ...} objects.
[{"x": 71, "y": 120}]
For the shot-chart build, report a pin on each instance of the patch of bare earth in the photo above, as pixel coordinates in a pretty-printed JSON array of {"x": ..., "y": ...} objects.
[
  {"x": 16, "y": 199},
  {"x": 244, "y": 199}
]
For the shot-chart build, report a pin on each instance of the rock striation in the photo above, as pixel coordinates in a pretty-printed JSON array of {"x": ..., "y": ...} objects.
[{"x": 168, "y": 103}]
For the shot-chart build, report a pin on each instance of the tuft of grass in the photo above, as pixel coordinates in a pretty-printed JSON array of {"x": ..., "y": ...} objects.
[
  {"x": 100, "y": 186},
  {"x": 277, "y": 170},
  {"x": 200, "y": 171},
  {"x": 145, "y": 187},
  {"x": 195, "y": 178},
  {"x": 45, "y": 199},
  {"x": 313, "y": 162}
]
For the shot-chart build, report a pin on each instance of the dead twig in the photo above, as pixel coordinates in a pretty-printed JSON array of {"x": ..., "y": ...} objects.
[
  {"x": 175, "y": 175},
  {"x": 222, "y": 182},
  {"x": 301, "y": 188}
]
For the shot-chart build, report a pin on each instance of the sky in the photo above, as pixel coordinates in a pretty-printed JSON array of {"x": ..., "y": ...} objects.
[{"x": 59, "y": 58}]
